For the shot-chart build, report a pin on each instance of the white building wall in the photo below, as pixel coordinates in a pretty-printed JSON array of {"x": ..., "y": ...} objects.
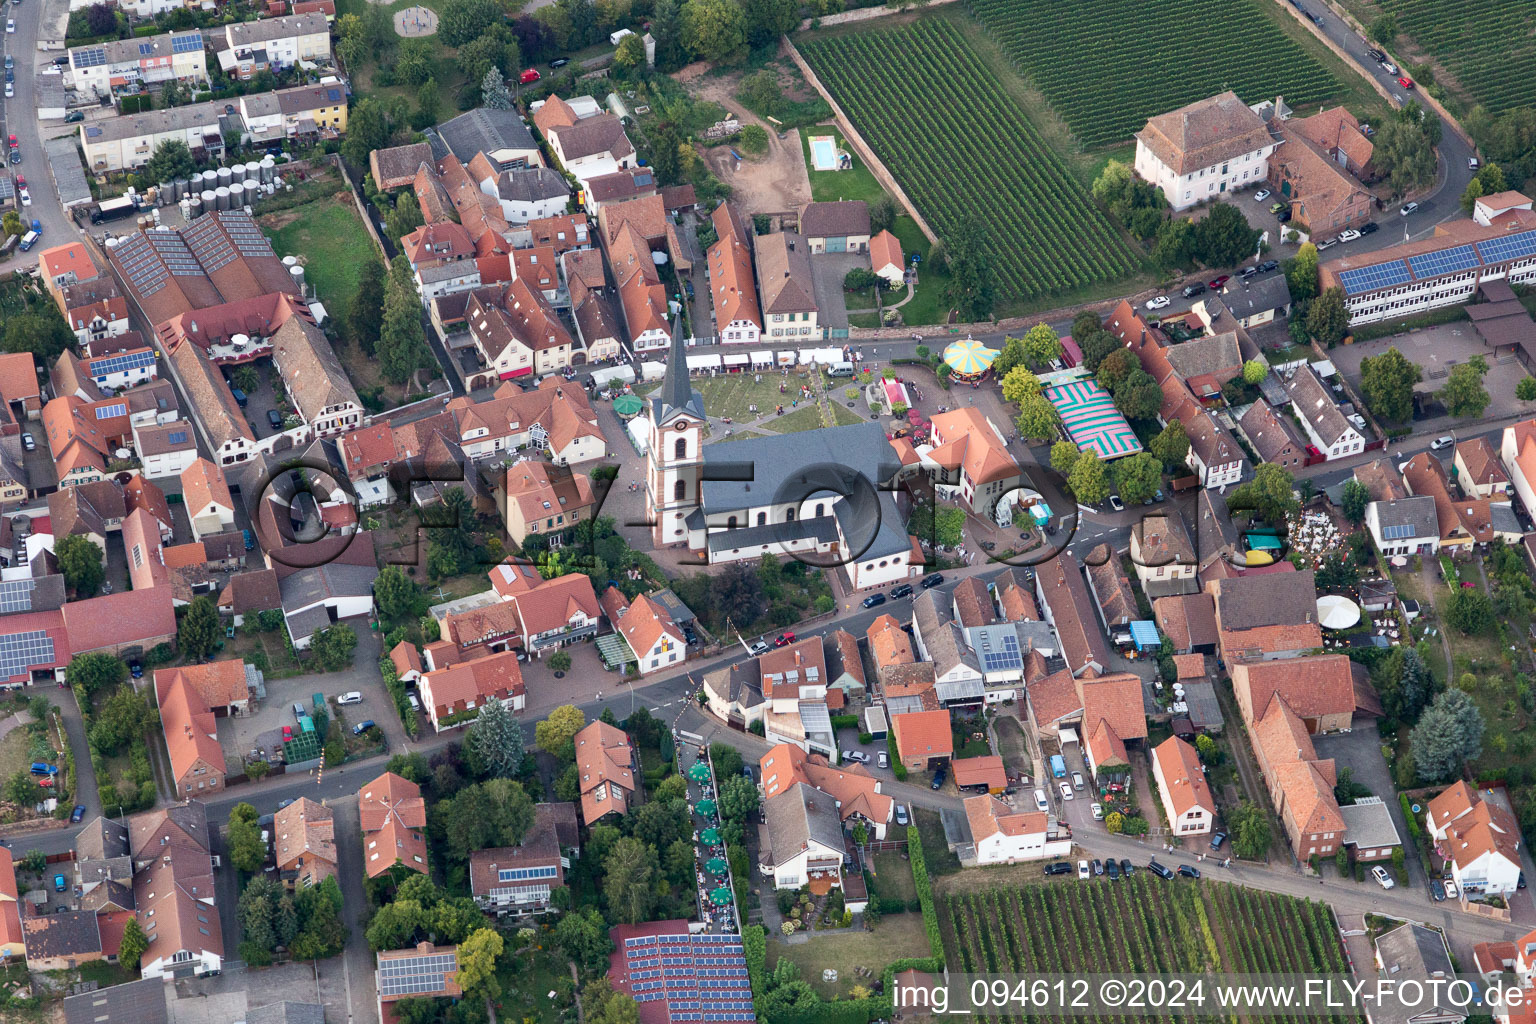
[{"x": 1204, "y": 183}]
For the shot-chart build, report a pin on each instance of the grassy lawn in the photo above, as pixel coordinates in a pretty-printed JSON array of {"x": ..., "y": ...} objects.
[
  {"x": 843, "y": 416},
  {"x": 527, "y": 977},
  {"x": 730, "y": 395},
  {"x": 894, "y": 938},
  {"x": 330, "y": 238},
  {"x": 807, "y": 417},
  {"x": 858, "y": 182},
  {"x": 14, "y": 755},
  {"x": 936, "y": 852},
  {"x": 893, "y": 876}
]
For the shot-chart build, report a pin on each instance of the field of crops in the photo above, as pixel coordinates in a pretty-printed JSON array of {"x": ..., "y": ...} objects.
[
  {"x": 1486, "y": 44},
  {"x": 1107, "y": 66},
  {"x": 943, "y": 124},
  {"x": 1141, "y": 924}
]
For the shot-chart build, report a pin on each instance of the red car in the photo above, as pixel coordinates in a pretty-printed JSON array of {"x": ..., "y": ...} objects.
[
  {"x": 1405, "y": 82},
  {"x": 529, "y": 76},
  {"x": 46, "y": 780},
  {"x": 21, "y": 182},
  {"x": 784, "y": 640},
  {"x": 1223, "y": 279},
  {"x": 287, "y": 733}
]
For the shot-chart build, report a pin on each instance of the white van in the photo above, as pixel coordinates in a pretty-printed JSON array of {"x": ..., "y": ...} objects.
[
  {"x": 29, "y": 239},
  {"x": 1040, "y": 801},
  {"x": 841, "y": 370}
]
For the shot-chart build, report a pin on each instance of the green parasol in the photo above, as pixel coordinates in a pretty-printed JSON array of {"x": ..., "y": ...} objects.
[
  {"x": 699, "y": 772},
  {"x": 716, "y": 866},
  {"x": 969, "y": 357},
  {"x": 721, "y": 896},
  {"x": 705, "y": 807},
  {"x": 710, "y": 836},
  {"x": 628, "y": 405}
]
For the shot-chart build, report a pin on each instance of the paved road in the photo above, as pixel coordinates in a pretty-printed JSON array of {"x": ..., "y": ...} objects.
[{"x": 17, "y": 118}]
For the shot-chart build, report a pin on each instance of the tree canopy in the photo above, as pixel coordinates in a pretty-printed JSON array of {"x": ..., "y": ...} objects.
[
  {"x": 1386, "y": 384},
  {"x": 80, "y": 560},
  {"x": 1464, "y": 394},
  {"x": 1223, "y": 238},
  {"x": 198, "y": 634},
  {"x": 1088, "y": 480},
  {"x": 557, "y": 731},
  {"x": 1449, "y": 733},
  {"x": 1138, "y": 476}
]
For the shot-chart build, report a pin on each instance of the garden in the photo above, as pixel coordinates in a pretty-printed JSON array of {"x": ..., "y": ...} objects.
[
  {"x": 923, "y": 98},
  {"x": 36, "y": 740}
]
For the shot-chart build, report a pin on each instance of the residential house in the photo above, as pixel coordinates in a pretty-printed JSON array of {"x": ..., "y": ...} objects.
[
  {"x": 1188, "y": 621},
  {"x": 885, "y": 258},
  {"x": 1273, "y": 437},
  {"x": 406, "y": 658},
  {"x": 1415, "y": 955},
  {"x": 1477, "y": 838},
  {"x": 1112, "y": 593},
  {"x": 1063, "y": 600},
  {"x": 516, "y": 331},
  {"x": 841, "y": 226},
  {"x": 1300, "y": 783},
  {"x": 19, "y": 389},
  {"x": 1479, "y": 472},
  {"x": 274, "y": 43},
  {"x": 220, "y": 419},
  {"x": 453, "y": 696},
  {"x": 423, "y": 972},
  {"x": 224, "y": 686},
  {"x": 638, "y": 948},
  {"x": 205, "y": 494},
  {"x": 92, "y": 378},
  {"x": 164, "y": 449},
  {"x": 537, "y": 497},
  {"x": 1164, "y": 555},
  {"x": 134, "y": 1002},
  {"x": 12, "y": 940},
  {"x": 620, "y": 186},
  {"x": 1004, "y": 836},
  {"x": 1381, "y": 479},
  {"x": 57, "y": 942},
  {"x": 855, "y": 792},
  {"x": 983, "y": 772},
  {"x": 396, "y": 166},
  {"x": 641, "y": 294},
  {"x": 922, "y": 738},
  {"x": 1321, "y": 418},
  {"x": 1103, "y": 711},
  {"x": 197, "y": 760},
  {"x": 605, "y": 762},
  {"x": 1369, "y": 829},
  {"x": 501, "y": 136},
  {"x": 1205, "y": 364},
  {"x": 122, "y": 67},
  {"x": 1323, "y": 195},
  {"x": 594, "y": 305},
  {"x": 1257, "y": 302},
  {"x": 971, "y": 602},
  {"x": 1461, "y": 523},
  {"x": 304, "y": 112},
  {"x": 1343, "y": 139},
  {"x": 556, "y": 418},
  {"x": 1204, "y": 150},
  {"x": 845, "y": 666},
  {"x": 654, "y": 640},
  {"x": 958, "y": 679},
  {"x": 304, "y": 843},
  {"x": 1489, "y": 209},
  {"x": 1406, "y": 526},
  {"x": 971, "y": 460},
  {"x": 585, "y": 147},
  {"x": 173, "y": 891},
  {"x": 248, "y": 593},
  {"x": 738, "y": 317},
  {"x": 1319, "y": 690},
  {"x": 89, "y": 510},
  {"x": 793, "y": 678},
  {"x": 802, "y": 840},
  {"x": 64, "y": 265},
  {"x": 1517, "y": 451},
  {"x": 786, "y": 288},
  {"x": 1187, "y": 800},
  {"x": 1264, "y": 617},
  {"x": 519, "y": 880},
  {"x": 126, "y": 142},
  {"x": 394, "y": 820}
]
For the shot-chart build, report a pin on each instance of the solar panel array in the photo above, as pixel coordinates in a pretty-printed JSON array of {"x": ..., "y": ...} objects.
[
  {"x": 90, "y": 57},
  {"x": 177, "y": 437},
  {"x": 146, "y": 272},
  {"x": 1397, "y": 532},
  {"x": 1368, "y": 279},
  {"x": 19, "y": 652},
  {"x": 700, "y": 977},
  {"x": 210, "y": 245},
  {"x": 245, "y": 234},
  {"x": 172, "y": 249},
  {"x": 1509, "y": 247},
  {"x": 16, "y": 595},
  {"x": 1004, "y": 659},
  {"x": 1446, "y": 261},
  {"x": 107, "y": 412},
  {"x": 416, "y": 975},
  {"x": 146, "y": 49},
  {"x": 122, "y": 362},
  {"x": 189, "y": 43}
]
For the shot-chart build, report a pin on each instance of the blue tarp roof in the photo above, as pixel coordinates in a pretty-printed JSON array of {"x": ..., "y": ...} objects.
[
  {"x": 1264, "y": 542},
  {"x": 1144, "y": 633}
]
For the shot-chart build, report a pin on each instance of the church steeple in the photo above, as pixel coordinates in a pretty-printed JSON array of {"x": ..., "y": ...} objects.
[{"x": 677, "y": 394}]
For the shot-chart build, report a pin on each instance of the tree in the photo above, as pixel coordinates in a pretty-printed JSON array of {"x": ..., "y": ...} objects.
[
  {"x": 970, "y": 289},
  {"x": 477, "y": 963},
  {"x": 1470, "y": 611},
  {"x": 560, "y": 661},
  {"x": 767, "y": 20},
  {"x": 40, "y": 331},
  {"x": 1223, "y": 238},
  {"x": 1301, "y": 273},
  {"x": 134, "y": 943},
  {"x": 415, "y": 62},
  {"x": 1386, "y": 383},
  {"x": 1171, "y": 445},
  {"x": 737, "y": 594},
  {"x": 402, "y": 344},
  {"x": 170, "y": 160},
  {"x": 1037, "y": 417},
  {"x": 630, "y": 868},
  {"x": 494, "y": 92},
  {"x": 1041, "y": 345},
  {"x": 399, "y": 599},
  {"x": 1354, "y": 499},
  {"x": 738, "y": 798},
  {"x": 406, "y": 215},
  {"x": 556, "y": 733},
  {"x": 1018, "y": 384},
  {"x": 1525, "y": 390},
  {"x": 882, "y": 214},
  {"x": 461, "y": 21},
  {"x": 1404, "y": 150},
  {"x": 122, "y": 719},
  {"x": 174, "y": 94},
  {"x": 429, "y": 101},
  {"x": 1464, "y": 394},
  {"x": 22, "y": 789},
  {"x": 365, "y": 313},
  {"x": 1139, "y": 397},
  {"x": 1138, "y": 477},
  {"x": 243, "y": 837},
  {"x": 582, "y": 936},
  {"x": 1384, "y": 29},
  {"x": 333, "y": 647},
  {"x": 714, "y": 30},
  {"x": 630, "y": 56},
  {"x": 497, "y": 812},
  {"x": 1064, "y": 456},
  {"x": 494, "y": 742},
  {"x": 859, "y": 278},
  {"x": 95, "y": 673},
  {"x": 1449, "y": 734},
  {"x": 198, "y": 634},
  {"x": 667, "y": 30},
  {"x": 1087, "y": 479},
  {"x": 1010, "y": 356},
  {"x": 1327, "y": 318},
  {"x": 1115, "y": 367},
  {"x": 1405, "y": 684},
  {"x": 1174, "y": 244},
  {"x": 367, "y": 130},
  {"x": 1254, "y": 371},
  {"x": 100, "y": 19},
  {"x": 1250, "y": 831},
  {"x": 80, "y": 560},
  {"x": 1268, "y": 494}
]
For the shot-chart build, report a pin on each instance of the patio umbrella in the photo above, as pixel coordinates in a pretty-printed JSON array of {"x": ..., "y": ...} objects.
[
  {"x": 720, "y": 896},
  {"x": 698, "y": 772},
  {"x": 706, "y": 808},
  {"x": 710, "y": 836},
  {"x": 628, "y": 405},
  {"x": 716, "y": 866},
  {"x": 969, "y": 356}
]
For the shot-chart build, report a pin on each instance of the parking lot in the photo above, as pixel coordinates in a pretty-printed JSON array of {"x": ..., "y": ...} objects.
[
  {"x": 261, "y": 729},
  {"x": 1435, "y": 350}
]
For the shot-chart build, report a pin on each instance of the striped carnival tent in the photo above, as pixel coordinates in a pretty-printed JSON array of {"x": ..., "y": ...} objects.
[{"x": 1092, "y": 421}]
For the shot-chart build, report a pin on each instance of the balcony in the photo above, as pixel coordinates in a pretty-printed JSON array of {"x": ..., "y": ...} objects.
[{"x": 557, "y": 638}]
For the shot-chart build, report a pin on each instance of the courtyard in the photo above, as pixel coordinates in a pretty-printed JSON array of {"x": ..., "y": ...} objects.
[{"x": 1435, "y": 350}]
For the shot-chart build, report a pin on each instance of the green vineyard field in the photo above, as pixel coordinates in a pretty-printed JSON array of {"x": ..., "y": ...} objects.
[
  {"x": 959, "y": 146},
  {"x": 1107, "y": 66},
  {"x": 1486, "y": 44}
]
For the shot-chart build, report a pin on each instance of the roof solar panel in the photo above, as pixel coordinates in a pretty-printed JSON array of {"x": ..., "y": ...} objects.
[
  {"x": 145, "y": 49},
  {"x": 1446, "y": 261},
  {"x": 90, "y": 57},
  {"x": 1509, "y": 247},
  {"x": 19, "y": 652},
  {"x": 122, "y": 362},
  {"x": 1369, "y": 279},
  {"x": 189, "y": 43},
  {"x": 16, "y": 595},
  {"x": 177, "y": 437}
]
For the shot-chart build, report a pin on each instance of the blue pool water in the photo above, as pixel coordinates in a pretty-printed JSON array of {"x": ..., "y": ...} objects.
[{"x": 824, "y": 154}]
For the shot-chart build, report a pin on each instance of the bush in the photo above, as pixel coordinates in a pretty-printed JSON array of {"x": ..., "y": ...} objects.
[
  {"x": 897, "y": 767},
  {"x": 924, "y": 889}
]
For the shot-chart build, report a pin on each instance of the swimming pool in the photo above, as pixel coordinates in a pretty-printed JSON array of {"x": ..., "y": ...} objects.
[{"x": 823, "y": 153}]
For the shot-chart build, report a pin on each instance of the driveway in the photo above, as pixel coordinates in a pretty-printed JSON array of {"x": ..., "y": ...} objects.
[{"x": 1360, "y": 752}]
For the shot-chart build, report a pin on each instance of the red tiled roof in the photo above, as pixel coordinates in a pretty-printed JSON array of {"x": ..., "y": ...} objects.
[{"x": 923, "y": 734}]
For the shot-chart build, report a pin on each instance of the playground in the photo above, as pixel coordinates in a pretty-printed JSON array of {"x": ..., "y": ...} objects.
[{"x": 415, "y": 22}]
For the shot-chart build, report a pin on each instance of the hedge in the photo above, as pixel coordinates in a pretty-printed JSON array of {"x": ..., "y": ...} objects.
[
  {"x": 896, "y": 765},
  {"x": 924, "y": 890},
  {"x": 754, "y": 943},
  {"x": 1414, "y": 828},
  {"x": 844, "y": 722}
]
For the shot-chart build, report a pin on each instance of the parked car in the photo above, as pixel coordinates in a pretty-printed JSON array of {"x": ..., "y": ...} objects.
[
  {"x": 1041, "y": 803},
  {"x": 287, "y": 733},
  {"x": 26, "y": 197},
  {"x": 240, "y": 397},
  {"x": 1442, "y": 442},
  {"x": 1077, "y": 780},
  {"x": 1115, "y": 503},
  {"x": 1189, "y": 871},
  {"x": 1349, "y": 235},
  {"x": 1451, "y": 892},
  {"x": 1160, "y": 870},
  {"x": 1248, "y": 272},
  {"x": 1374, "y": 53},
  {"x": 136, "y": 668},
  {"x": 28, "y": 441},
  {"x": 1191, "y": 290},
  {"x": 59, "y": 884},
  {"x": 1370, "y": 227},
  {"x": 1082, "y": 871},
  {"x": 856, "y": 755},
  {"x": 77, "y": 814},
  {"x": 1217, "y": 839},
  {"x": 929, "y": 582},
  {"x": 42, "y": 768},
  {"x": 46, "y": 781},
  {"x": 1473, "y": 163},
  {"x": 1437, "y": 889},
  {"x": 74, "y": 116},
  {"x": 10, "y": 89},
  {"x": 1405, "y": 82},
  {"x": 1261, "y": 195},
  {"x": 1383, "y": 879},
  {"x": 1098, "y": 811},
  {"x": 363, "y": 726},
  {"x": 298, "y": 710},
  {"x": 760, "y": 647},
  {"x": 1389, "y": 67},
  {"x": 1276, "y": 207},
  {"x": 901, "y": 814},
  {"x": 1220, "y": 282},
  {"x": 1158, "y": 302},
  {"x": 529, "y": 77},
  {"x": 559, "y": 62},
  {"x": 10, "y": 62},
  {"x": 882, "y": 759},
  {"x": 1327, "y": 243},
  {"x": 784, "y": 640},
  {"x": 1059, "y": 867},
  {"x": 1066, "y": 791},
  {"x": 1126, "y": 867},
  {"x": 1111, "y": 868},
  {"x": 1409, "y": 208},
  {"x": 1098, "y": 867},
  {"x": 938, "y": 779},
  {"x": 285, "y": 803},
  {"x": 414, "y": 702},
  {"x": 250, "y": 540},
  {"x": 350, "y": 697},
  {"x": 902, "y": 590},
  {"x": 1269, "y": 265},
  {"x": 873, "y": 601}
]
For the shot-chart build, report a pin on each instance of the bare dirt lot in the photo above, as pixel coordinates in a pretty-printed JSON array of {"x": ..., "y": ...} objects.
[{"x": 775, "y": 182}]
